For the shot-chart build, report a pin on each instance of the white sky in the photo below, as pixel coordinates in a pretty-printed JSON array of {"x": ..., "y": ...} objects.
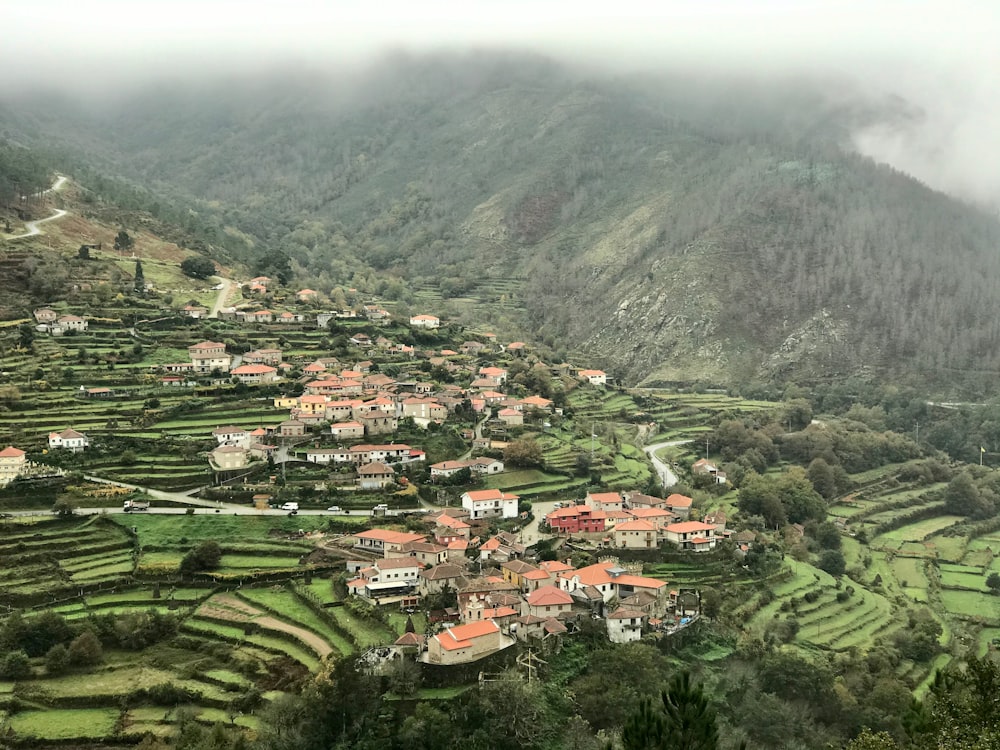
[{"x": 943, "y": 56}]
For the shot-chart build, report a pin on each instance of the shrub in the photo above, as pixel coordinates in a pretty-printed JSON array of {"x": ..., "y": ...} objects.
[
  {"x": 85, "y": 650},
  {"x": 57, "y": 659},
  {"x": 15, "y": 666}
]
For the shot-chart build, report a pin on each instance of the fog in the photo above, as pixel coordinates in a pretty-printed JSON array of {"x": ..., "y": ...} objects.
[{"x": 939, "y": 58}]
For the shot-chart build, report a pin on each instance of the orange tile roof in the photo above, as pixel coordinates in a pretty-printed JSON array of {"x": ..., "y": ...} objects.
[
  {"x": 688, "y": 527},
  {"x": 11, "y": 452},
  {"x": 390, "y": 537},
  {"x": 461, "y": 636},
  {"x": 636, "y": 525},
  {"x": 480, "y": 495},
  {"x": 549, "y": 596},
  {"x": 679, "y": 501}
]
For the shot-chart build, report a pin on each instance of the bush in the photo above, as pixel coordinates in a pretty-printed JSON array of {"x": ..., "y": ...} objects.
[
  {"x": 85, "y": 650},
  {"x": 206, "y": 556},
  {"x": 57, "y": 659},
  {"x": 15, "y": 666}
]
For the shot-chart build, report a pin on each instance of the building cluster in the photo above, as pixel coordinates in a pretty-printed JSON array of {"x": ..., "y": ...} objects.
[
  {"x": 49, "y": 321},
  {"x": 633, "y": 520},
  {"x": 500, "y": 596}
]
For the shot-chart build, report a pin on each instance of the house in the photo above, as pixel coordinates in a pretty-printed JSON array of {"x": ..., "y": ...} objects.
[
  {"x": 575, "y": 519},
  {"x": 604, "y": 500},
  {"x": 481, "y": 466},
  {"x": 307, "y": 295},
  {"x": 594, "y": 377},
  {"x": 691, "y": 535},
  {"x": 636, "y": 534},
  {"x": 425, "y": 321},
  {"x": 381, "y": 541},
  {"x": 625, "y": 625},
  {"x": 263, "y": 281},
  {"x": 436, "y": 579},
  {"x": 375, "y": 475},
  {"x": 535, "y": 402},
  {"x": 231, "y": 435},
  {"x": 548, "y": 601},
  {"x": 489, "y": 504},
  {"x": 660, "y": 517},
  {"x": 607, "y": 580},
  {"x": 423, "y": 408},
  {"x": 449, "y": 529},
  {"x": 255, "y": 374},
  {"x": 465, "y": 643},
  {"x": 501, "y": 548},
  {"x": 228, "y": 457},
  {"x": 13, "y": 462},
  {"x": 511, "y": 417},
  {"x": 209, "y": 355},
  {"x": 292, "y": 428},
  {"x": 347, "y": 430},
  {"x": 69, "y": 439},
  {"x": 386, "y": 577},
  {"x": 263, "y": 357},
  {"x": 496, "y": 375},
  {"x": 679, "y": 505},
  {"x": 704, "y": 467},
  {"x": 516, "y": 347},
  {"x": 428, "y": 553},
  {"x": 46, "y": 315},
  {"x": 513, "y": 571},
  {"x": 194, "y": 311},
  {"x": 72, "y": 323},
  {"x": 718, "y": 520},
  {"x": 262, "y": 451}
]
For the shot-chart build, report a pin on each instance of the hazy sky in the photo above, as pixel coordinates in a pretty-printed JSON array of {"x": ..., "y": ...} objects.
[{"x": 942, "y": 56}]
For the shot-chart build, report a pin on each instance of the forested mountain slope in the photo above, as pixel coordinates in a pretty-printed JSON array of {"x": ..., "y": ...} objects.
[{"x": 666, "y": 231}]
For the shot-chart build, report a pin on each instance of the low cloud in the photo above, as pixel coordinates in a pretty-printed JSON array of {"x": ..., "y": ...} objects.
[{"x": 938, "y": 59}]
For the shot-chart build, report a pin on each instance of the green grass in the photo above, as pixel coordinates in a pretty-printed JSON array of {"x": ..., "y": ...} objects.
[
  {"x": 972, "y": 604},
  {"x": 113, "y": 682},
  {"x": 65, "y": 724}
]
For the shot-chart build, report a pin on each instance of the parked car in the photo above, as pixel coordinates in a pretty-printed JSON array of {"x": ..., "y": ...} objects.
[
  {"x": 290, "y": 506},
  {"x": 335, "y": 509}
]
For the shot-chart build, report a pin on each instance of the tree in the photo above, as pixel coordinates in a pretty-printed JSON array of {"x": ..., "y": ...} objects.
[
  {"x": 198, "y": 267},
  {"x": 205, "y": 556},
  {"x": 690, "y": 721},
  {"x": 123, "y": 243},
  {"x": 57, "y": 659},
  {"x": 993, "y": 582},
  {"x": 15, "y": 666},
  {"x": 140, "y": 279},
  {"x": 685, "y": 722},
  {"x": 832, "y": 561},
  {"x": 524, "y": 452},
  {"x": 85, "y": 650},
  {"x": 64, "y": 508}
]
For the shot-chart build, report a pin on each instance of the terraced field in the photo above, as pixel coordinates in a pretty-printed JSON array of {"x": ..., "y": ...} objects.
[{"x": 230, "y": 649}]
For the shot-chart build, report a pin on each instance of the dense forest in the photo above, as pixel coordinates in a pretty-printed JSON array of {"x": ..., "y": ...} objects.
[{"x": 666, "y": 229}]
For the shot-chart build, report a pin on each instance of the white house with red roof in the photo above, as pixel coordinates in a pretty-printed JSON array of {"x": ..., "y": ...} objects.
[
  {"x": 69, "y": 439},
  {"x": 375, "y": 475},
  {"x": 232, "y": 435},
  {"x": 388, "y": 577},
  {"x": 604, "y": 500},
  {"x": 464, "y": 643},
  {"x": 381, "y": 541},
  {"x": 255, "y": 374},
  {"x": 594, "y": 377},
  {"x": 13, "y": 462},
  {"x": 548, "y": 601},
  {"x": 489, "y": 504},
  {"x": 691, "y": 535},
  {"x": 209, "y": 355},
  {"x": 448, "y": 529},
  {"x": 425, "y": 321},
  {"x": 625, "y": 625},
  {"x": 703, "y": 466}
]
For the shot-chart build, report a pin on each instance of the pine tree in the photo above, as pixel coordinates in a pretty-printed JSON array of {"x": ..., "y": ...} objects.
[
  {"x": 690, "y": 721},
  {"x": 123, "y": 242},
  {"x": 140, "y": 279},
  {"x": 644, "y": 729}
]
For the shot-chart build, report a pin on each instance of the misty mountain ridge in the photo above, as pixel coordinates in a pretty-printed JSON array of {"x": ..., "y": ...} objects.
[{"x": 665, "y": 229}]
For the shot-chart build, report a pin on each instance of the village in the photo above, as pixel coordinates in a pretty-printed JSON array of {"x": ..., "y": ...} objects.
[{"x": 343, "y": 414}]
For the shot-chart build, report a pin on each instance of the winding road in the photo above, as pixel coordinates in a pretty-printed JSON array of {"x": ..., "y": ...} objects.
[
  {"x": 32, "y": 226},
  {"x": 663, "y": 471},
  {"x": 220, "y": 301}
]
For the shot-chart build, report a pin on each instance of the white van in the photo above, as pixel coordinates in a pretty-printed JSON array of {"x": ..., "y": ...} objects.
[{"x": 290, "y": 506}]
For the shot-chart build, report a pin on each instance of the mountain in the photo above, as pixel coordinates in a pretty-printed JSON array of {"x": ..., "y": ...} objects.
[{"x": 666, "y": 228}]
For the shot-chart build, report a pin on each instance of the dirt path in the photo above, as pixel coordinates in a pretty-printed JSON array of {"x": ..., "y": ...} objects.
[
  {"x": 268, "y": 622},
  {"x": 32, "y": 226},
  {"x": 220, "y": 301}
]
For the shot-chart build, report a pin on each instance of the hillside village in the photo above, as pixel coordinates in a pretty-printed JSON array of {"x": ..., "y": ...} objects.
[{"x": 343, "y": 413}]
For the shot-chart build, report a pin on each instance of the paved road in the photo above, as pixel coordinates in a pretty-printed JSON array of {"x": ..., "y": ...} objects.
[
  {"x": 220, "y": 301},
  {"x": 530, "y": 534},
  {"x": 32, "y": 226},
  {"x": 663, "y": 471}
]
